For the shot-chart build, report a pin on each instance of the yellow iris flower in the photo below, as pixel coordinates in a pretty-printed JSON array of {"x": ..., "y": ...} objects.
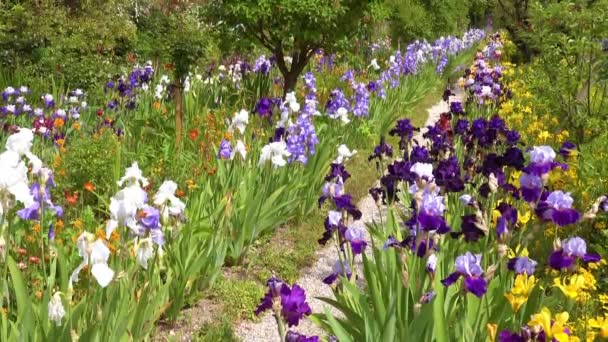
[
  {"x": 521, "y": 290},
  {"x": 556, "y": 331},
  {"x": 600, "y": 323},
  {"x": 572, "y": 287}
]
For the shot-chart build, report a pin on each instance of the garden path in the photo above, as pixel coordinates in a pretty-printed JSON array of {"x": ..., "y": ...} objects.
[{"x": 265, "y": 330}]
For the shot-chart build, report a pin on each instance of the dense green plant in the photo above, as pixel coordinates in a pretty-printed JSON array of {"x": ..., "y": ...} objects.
[
  {"x": 82, "y": 42},
  {"x": 570, "y": 68}
]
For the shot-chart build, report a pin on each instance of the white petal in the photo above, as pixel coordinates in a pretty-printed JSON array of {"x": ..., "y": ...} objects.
[{"x": 102, "y": 273}]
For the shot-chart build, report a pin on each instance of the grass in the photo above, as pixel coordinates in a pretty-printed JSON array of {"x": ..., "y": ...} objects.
[{"x": 292, "y": 248}]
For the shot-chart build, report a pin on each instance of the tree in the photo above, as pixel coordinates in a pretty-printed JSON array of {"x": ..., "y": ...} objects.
[
  {"x": 292, "y": 28},
  {"x": 176, "y": 33}
]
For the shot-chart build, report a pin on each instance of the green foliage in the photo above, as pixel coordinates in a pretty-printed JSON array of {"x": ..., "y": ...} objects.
[
  {"x": 81, "y": 44},
  {"x": 416, "y": 19},
  {"x": 570, "y": 68}
]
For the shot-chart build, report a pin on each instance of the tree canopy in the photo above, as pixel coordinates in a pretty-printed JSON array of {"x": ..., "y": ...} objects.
[{"x": 292, "y": 28}]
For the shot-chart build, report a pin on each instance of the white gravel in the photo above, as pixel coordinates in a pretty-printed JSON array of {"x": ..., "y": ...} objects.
[{"x": 265, "y": 330}]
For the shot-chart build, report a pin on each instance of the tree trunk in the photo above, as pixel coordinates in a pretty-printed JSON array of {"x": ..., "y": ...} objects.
[
  {"x": 179, "y": 114},
  {"x": 290, "y": 82}
]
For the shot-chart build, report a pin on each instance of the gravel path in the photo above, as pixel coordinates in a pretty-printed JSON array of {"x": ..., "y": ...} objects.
[{"x": 265, "y": 330}]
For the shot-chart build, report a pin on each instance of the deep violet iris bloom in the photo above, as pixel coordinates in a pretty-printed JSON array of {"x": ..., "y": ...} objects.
[
  {"x": 293, "y": 336},
  {"x": 263, "y": 107},
  {"x": 521, "y": 265},
  {"x": 469, "y": 267},
  {"x": 558, "y": 208},
  {"x": 513, "y": 157},
  {"x": 345, "y": 202},
  {"x": 531, "y": 187},
  {"x": 469, "y": 228},
  {"x": 456, "y": 108},
  {"x": 462, "y": 126},
  {"x": 293, "y": 301},
  {"x": 405, "y": 130},
  {"x": 338, "y": 172},
  {"x": 293, "y": 304},
  {"x": 572, "y": 249},
  {"x": 382, "y": 150}
]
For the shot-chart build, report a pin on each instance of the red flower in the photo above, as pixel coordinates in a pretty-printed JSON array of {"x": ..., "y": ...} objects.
[{"x": 193, "y": 134}]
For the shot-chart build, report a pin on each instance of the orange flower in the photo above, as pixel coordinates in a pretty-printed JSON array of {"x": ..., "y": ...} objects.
[
  {"x": 59, "y": 224},
  {"x": 227, "y": 135},
  {"x": 76, "y": 125},
  {"x": 60, "y": 143},
  {"x": 180, "y": 193},
  {"x": 39, "y": 294},
  {"x": 193, "y": 134},
  {"x": 71, "y": 199},
  {"x": 156, "y": 105},
  {"x": 58, "y": 122},
  {"x": 36, "y": 228},
  {"x": 35, "y": 260},
  {"x": 88, "y": 186},
  {"x": 131, "y": 57}
]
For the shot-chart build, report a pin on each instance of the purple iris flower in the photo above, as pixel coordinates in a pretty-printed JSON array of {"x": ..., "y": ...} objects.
[
  {"x": 345, "y": 202},
  {"x": 331, "y": 190},
  {"x": 356, "y": 237},
  {"x": 51, "y": 235},
  {"x": 338, "y": 172},
  {"x": 427, "y": 297},
  {"x": 456, "y": 108},
  {"x": 462, "y": 126},
  {"x": 531, "y": 187},
  {"x": 405, "y": 130},
  {"x": 431, "y": 212},
  {"x": 513, "y": 157},
  {"x": 381, "y": 150},
  {"x": 469, "y": 228},
  {"x": 293, "y": 336},
  {"x": 420, "y": 154},
  {"x": 541, "y": 160},
  {"x": 469, "y": 267},
  {"x": 332, "y": 222},
  {"x": 293, "y": 304},
  {"x": 225, "y": 150},
  {"x": 42, "y": 198},
  {"x": 521, "y": 265},
  {"x": 509, "y": 336},
  {"x": 567, "y": 148},
  {"x": 508, "y": 212},
  {"x": 558, "y": 208},
  {"x": 274, "y": 289},
  {"x": 263, "y": 107},
  {"x": 337, "y": 270},
  {"x": 572, "y": 249},
  {"x": 513, "y": 137},
  {"x": 150, "y": 217}
]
